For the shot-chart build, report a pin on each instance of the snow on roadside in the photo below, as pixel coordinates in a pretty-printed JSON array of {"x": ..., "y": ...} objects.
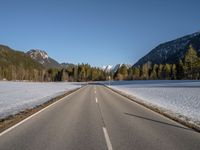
[
  {"x": 18, "y": 96},
  {"x": 180, "y": 97}
]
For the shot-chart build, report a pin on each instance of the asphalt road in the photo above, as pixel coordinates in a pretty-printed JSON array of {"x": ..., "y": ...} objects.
[{"x": 96, "y": 118}]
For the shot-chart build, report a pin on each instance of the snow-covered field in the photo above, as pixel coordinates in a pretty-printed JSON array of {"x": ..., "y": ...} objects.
[
  {"x": 18, "y": 96},
  {"x": 179, "y": 97}
]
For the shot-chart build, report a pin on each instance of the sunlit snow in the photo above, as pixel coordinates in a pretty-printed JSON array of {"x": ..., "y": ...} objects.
[
  {"x": 182, "y": 97},
  {"x": 18, "y": 96}
]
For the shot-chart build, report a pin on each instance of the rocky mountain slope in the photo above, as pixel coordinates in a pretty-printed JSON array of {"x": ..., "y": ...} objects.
[{"x": 43, "y": 58}]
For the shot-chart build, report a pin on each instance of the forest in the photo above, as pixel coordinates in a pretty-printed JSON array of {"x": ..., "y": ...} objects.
[
  {"x": 186, "y": 68},
  {"x": 21, "y": 68}
]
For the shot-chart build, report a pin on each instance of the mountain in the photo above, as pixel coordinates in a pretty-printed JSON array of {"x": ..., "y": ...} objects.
[
  {"x": 107, "y": 68},
  {"x": 43, "y": 58},
  {"x": 113, "y": 69},
  {"x": 116, "y": 67},
  {"x": 172, "y": 51},
  {"x": 9, "y": 56},
  {"x": 66, "y": 65},
  {"x": 17, "y": 65}
]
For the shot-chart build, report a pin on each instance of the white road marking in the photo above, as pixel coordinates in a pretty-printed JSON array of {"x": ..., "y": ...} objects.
[
  {"x": 96, "y": 100},
  {"x": 109, "y": 145},
  {"x": 9, "y": 129},
  {"x": 95, "y": 91}
]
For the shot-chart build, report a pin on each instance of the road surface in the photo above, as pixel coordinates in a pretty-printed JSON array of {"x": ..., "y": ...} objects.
[{"x": 96, "y": 118}]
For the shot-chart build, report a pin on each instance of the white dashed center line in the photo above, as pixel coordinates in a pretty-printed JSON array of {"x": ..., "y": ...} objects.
[{"x": 109, "y": 145}]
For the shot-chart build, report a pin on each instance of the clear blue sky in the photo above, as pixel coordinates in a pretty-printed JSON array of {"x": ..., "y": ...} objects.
[{"x": 98, "y": 32}]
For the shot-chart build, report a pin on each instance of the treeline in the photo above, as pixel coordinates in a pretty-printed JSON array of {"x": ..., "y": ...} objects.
[
  {"x": 12, "y": 72},
  {"x": 75, "y": 73},
  {"x": 187, "y": 68},
  {"x": 18, "y": 66}
]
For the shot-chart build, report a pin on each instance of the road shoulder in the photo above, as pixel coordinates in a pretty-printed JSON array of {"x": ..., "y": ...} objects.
[
  {"x": 12, "y": 120},
  {"x": 178, "y": 118}
]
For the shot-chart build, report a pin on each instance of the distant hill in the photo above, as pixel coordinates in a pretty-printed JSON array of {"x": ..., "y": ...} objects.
[
  {"x": 172, "y": 51},
  {"x": 43, "y": 58},
  {"x": 66, "y": 65},
  {"x": 16, "y": 63}
]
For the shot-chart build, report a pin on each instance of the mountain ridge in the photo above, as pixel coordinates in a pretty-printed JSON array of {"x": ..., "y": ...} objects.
[
  {"x": 171, "y": 51},
  {"x": 18, "y": 65}
]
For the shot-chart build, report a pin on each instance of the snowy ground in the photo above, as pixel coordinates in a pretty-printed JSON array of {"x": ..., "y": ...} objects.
[
  {"x": 18, "y": 96},
  {"x": 180, "y": 97}
]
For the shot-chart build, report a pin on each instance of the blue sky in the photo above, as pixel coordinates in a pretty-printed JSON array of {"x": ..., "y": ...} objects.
[{"x": 98, "y": 32}]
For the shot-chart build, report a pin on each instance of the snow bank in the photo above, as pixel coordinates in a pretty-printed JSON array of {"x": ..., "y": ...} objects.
[
  {"x": 18, "y": 96},
  {"x": 180, "y": 97}
]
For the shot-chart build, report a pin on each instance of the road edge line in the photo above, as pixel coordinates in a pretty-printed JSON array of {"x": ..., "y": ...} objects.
[
  {"x": 159, "y": 111},
  {"x": 36, "y": 113}
]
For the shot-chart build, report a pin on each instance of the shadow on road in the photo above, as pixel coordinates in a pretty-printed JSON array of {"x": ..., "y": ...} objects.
[{"x": 160, "y": 122}]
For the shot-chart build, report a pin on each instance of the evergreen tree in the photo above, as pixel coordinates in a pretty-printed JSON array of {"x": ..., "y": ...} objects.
[
  {"x": 145, "y": 71},
  {"x": 75, "y": 73},
  {"x": 122, "y": 73},
  {"x": 130, "y": 74},
  {"x": 136, "y": 73},
  {"x": 167, "y": 71},
  {"x": 160, "y": 72},
  {"x": 174, "y": 72},
  {"x": 191, "y": 61},
  {"x": 64, "y": 75},
  {"x": 153, "y": 75},
  {"x": 180, "y": 70}
]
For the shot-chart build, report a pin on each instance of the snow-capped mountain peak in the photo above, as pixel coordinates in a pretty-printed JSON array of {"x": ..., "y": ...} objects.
[
  {"x": 42, "y": 57},
  {"x": 107, "y": 68},
  {"x": 35, "y": 53},
  {"x": 113, "y": 69}
]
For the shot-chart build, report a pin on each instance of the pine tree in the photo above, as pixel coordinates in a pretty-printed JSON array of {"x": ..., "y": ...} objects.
[
  {"x": 136, "y": 73},
  {"x": 160, "y": 72},
  {"x": 180, "y": 70},
  {"x": 167, "y": 71},
  {"x": 130, "y": 74},
  {"x": 145, "y": 71},
  {"x": 190, "y": 61},
  {"x": 75, "y": 73},
  {"x": 123, "y": 71},
  {"x": 153, "y": 75},
  {"x": 174, "y": 72},
  {"x": 64, "y": 75}
]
